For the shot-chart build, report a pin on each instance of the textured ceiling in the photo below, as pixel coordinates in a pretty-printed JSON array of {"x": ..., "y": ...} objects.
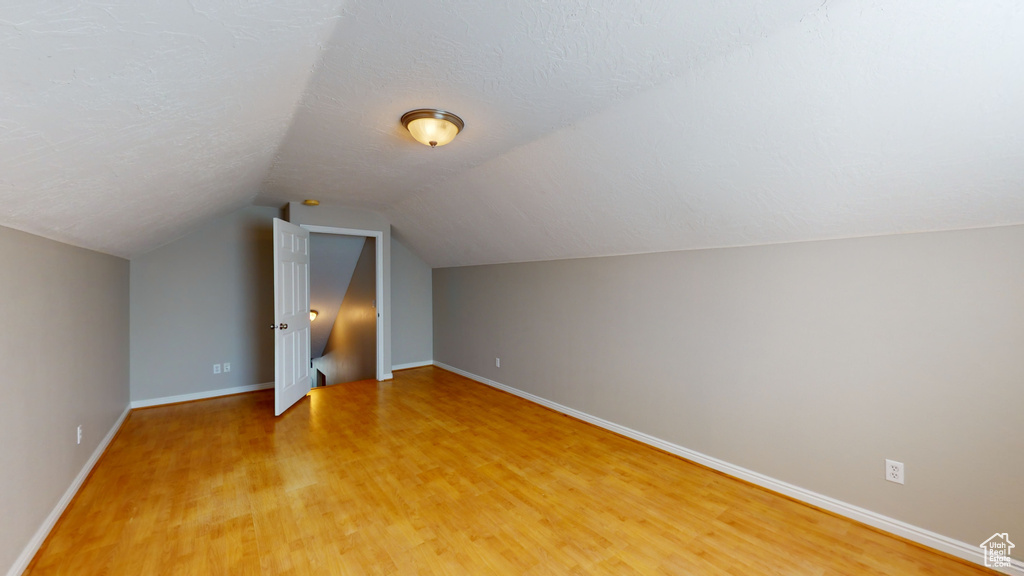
[
  {"x": 592, "y": 126},
  {"x": 124, "y": 124}
]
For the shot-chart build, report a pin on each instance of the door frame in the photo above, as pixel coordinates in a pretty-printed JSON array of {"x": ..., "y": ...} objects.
[{"x": 378, "y": 236}]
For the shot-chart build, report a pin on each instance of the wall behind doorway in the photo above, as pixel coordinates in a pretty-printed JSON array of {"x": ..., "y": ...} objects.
[
  {"x": 351, "y": 351},
  {"x": 332, "y": 259}
]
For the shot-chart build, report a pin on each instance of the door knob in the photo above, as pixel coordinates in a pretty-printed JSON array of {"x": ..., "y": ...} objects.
[{"x": 283, "y": 326}]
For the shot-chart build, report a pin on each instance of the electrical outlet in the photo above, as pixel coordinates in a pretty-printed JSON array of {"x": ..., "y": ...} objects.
[
  {"x": 227, "y": 366},
  {"x": 79, "y": 433},
  {"x": 894, "y": 471},
  {"x": 497, "y": 362},
  {"x": 216, "y": 368}
]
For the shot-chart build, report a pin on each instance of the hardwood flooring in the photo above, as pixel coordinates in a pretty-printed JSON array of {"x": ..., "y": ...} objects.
[{"x": 433, "y": 474}]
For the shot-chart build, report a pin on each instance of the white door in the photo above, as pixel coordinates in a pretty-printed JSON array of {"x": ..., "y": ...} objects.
[{"x": 291, "y": 315}]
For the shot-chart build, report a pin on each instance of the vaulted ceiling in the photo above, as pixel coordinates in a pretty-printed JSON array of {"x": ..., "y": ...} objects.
[{"x": 593, "y": 127}]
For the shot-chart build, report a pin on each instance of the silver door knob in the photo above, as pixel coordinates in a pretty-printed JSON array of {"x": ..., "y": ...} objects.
[
  {"x": 273, "y": 326},
  {"x": 283, "y": 326}
]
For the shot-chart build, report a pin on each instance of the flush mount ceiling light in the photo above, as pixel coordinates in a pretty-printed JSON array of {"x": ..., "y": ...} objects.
[
  {"x": 432, "y": 127},
  {"x": 312, "y": 315}
]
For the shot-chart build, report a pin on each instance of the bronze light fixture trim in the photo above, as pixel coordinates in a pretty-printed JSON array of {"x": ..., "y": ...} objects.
[{"x": 431, "y": 126}]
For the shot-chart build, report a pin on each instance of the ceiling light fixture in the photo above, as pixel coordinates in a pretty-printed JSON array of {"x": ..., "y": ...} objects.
[
  {"x": 311, "y": 202},
  {"x": 432, "y": 127},
  {"x": 312, "y": 315}
]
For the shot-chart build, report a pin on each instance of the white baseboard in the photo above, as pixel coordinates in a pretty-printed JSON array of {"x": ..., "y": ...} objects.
[
  {"x": 387, "y": 376},
  {"x": 412, "y": 365},
  {"x": 199, "y": 395},
  {"x": 39, "y": 537},
  {"x": 891, "y": 525}
]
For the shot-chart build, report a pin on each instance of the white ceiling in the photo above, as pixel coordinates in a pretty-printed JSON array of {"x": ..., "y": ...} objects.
[
  {"x": 126, "y": 123},
  {"x": 592, "y": 126}
]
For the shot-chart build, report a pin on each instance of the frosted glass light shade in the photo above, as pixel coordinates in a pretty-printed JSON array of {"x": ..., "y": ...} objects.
[
  {"x": 312, "y": 315},
  {"x": 432, "y": 127}
]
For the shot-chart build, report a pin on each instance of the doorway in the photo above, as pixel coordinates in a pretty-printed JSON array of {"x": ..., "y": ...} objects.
[{"x": 346, "y": 290}]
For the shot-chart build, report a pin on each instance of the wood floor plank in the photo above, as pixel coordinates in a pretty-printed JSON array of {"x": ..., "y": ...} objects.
[{"x": 432, "y": 473}]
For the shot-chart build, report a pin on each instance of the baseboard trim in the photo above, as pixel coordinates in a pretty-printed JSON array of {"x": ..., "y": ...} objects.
[
  {"x": 199, "y": 395},
  {"x": 412, "y": 365},
  {"x": 29, "y": 552},
  {"x": 893, "y": 526}
]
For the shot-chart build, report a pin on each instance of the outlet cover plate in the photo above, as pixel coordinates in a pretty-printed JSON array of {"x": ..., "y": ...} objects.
[{"x": 894, "y": 471}]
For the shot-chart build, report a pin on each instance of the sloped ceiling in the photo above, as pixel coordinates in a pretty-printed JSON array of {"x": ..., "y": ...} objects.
[
  {"x": 592, "y": 126},
  {"x": 125, "y": 124}
]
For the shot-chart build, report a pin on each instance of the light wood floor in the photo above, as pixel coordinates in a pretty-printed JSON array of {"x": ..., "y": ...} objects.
[{"x": 433, "y": 474}]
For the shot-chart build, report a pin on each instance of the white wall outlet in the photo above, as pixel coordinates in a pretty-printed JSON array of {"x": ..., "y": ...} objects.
[
  {"x": 894, "y": 471},
  {"x": 227, "y": 366},
  {"x": 497, "y": 362},
  {"x": 79, "y": 433},
  {"x": 216, "y": 368}
]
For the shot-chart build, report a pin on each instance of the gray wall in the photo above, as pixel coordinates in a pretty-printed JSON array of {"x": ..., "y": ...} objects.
[
  {"x": 351, "y": 350},
  {"x": 204, "y": 299},
  {"x": 810, "y": 363},
  {"x": 64, "y": 362},
  {"x": 338, "y": 217},
  {"x": 413, "y": 338}
]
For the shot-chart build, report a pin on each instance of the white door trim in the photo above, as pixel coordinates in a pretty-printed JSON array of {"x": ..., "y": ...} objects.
[{"x": 378, "y": 235}]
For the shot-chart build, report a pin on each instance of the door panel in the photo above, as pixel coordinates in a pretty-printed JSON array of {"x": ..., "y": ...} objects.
[{"x": 291, "y": 315}]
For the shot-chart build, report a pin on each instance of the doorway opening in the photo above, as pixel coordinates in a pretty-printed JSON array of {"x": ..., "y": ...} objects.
[{"x": 346, "y": 289}]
